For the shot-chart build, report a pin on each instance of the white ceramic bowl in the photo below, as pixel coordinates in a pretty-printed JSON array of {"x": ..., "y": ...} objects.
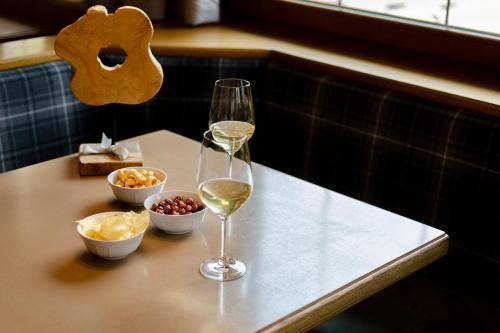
[
  {"x": 136, "y": 196},
  {"x": 174, "y": 224},
  {"x": 111, "y": 249}
]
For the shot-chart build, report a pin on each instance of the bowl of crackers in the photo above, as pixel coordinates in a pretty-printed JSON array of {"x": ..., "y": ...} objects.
[
  {"x": 113, "y": 235},
  {"x": 133, "y": 185}
]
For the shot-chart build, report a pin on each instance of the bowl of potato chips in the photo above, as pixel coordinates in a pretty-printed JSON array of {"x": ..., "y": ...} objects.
[
  {"x": 133, "y": 185},
  {"x": 113, "y": 235}
]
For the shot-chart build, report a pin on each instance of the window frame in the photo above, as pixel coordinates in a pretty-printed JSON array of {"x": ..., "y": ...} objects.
[{"x": 428, "y": 39}]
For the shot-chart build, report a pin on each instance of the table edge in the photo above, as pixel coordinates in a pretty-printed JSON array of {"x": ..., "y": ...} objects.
[{"x": 341, "y": 299}]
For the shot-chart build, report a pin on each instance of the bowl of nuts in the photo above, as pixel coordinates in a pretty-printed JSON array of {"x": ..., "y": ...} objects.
[
  {"x": 175, "y": 212},
  {"x": 133, "y": 185}
]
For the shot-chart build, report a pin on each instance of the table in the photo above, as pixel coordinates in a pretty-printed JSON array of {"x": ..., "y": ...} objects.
[{"x": 310, "y": 253}]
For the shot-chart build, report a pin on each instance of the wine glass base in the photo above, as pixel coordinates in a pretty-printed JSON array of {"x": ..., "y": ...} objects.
[{"x": 212, "y": 269}]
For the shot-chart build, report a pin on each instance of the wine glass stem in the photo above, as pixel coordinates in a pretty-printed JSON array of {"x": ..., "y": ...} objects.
[
  {"x": 230, "y": 165},
  {"x": 223, "y": 259}
]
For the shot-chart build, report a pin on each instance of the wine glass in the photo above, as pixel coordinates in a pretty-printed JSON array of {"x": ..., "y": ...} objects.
[
  {"x": 231, "y": 114},
  {"x": 223, "y": 195}
]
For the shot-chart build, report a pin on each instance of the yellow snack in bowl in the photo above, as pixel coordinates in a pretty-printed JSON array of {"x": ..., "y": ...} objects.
[
  {"x": 114, "y": 226},
  {"x": 122, "y": 175},
  {"x": 133, "y": 178},
  {"x": 130, "y": 182},
  {"x": 150, "y": 180},
  {"x": 139, "y": 177}
]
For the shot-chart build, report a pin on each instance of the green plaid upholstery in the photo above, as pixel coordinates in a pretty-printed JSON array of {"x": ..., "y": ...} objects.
[{"x": 39, "y": 117}]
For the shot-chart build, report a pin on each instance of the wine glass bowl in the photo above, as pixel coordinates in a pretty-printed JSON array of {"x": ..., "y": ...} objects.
[
  {"x": 231, "y": 111},
  {"x": 230, "y": 140},
  {"x": 223, "y": 187},
  {"x": 224, "y": 195}
]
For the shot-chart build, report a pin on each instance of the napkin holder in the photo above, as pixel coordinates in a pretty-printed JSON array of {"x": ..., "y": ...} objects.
[{"x": 103, "y": 164}]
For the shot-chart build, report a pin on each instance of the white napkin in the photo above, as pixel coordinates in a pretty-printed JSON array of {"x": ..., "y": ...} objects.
[{"x": 105, "y": 147}]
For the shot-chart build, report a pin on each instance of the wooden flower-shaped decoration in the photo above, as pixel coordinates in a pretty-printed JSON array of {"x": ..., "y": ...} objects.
[{"x": 135, "y": 81}]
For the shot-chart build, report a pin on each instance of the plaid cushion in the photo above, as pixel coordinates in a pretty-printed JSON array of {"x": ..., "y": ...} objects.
[
  {"x": 40, "y": 119},
  {"x": 435, "y": 163}
]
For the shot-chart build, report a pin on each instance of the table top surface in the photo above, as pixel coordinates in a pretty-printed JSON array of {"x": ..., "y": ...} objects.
[{"x": 303, "y": 246}]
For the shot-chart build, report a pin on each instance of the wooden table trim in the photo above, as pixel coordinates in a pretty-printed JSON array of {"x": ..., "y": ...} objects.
[{"x": 341, "y": 299}]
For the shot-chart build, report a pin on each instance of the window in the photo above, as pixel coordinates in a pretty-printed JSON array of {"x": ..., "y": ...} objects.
[
  {"x": 463, "y": 30},
  {"x": 464, "y": 15}
]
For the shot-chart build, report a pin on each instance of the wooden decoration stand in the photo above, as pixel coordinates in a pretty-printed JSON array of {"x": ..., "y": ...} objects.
[{"x": 135, "y": 81}]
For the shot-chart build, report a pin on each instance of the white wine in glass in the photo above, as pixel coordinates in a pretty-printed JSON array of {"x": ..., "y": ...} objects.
[
  {"x": 231, "y": 113},
  {"x": 231, "y": 135},
  {"x": 223, "y": 196}
]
